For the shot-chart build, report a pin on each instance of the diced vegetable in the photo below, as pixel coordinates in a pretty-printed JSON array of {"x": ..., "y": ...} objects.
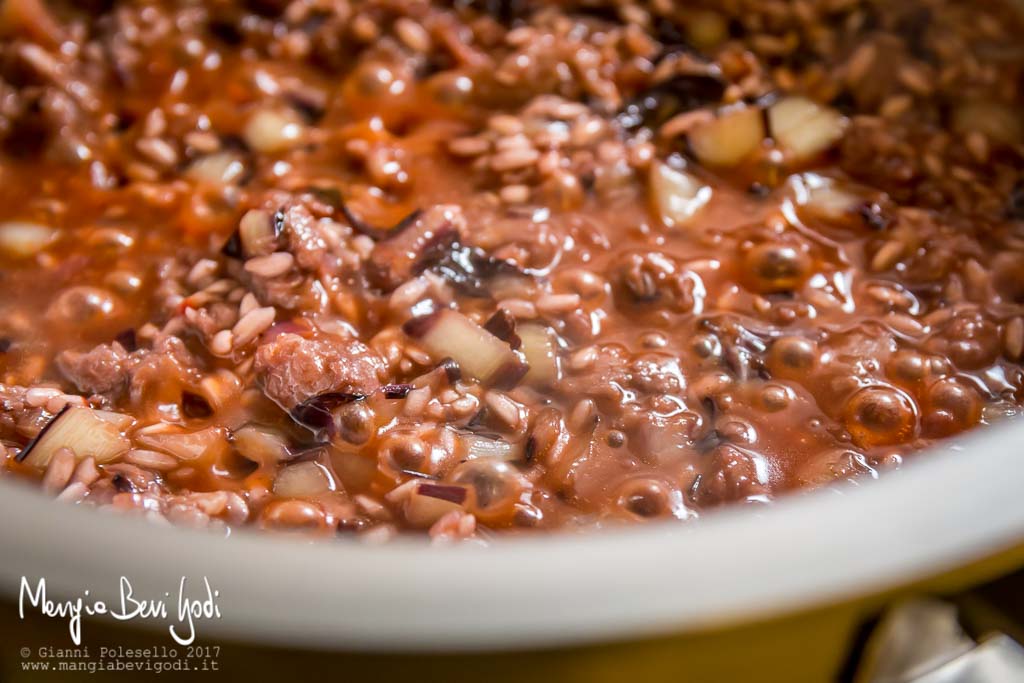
[
  {"x": 373, "y": 232},
  {"x": 220, "y": 168},
  {"x": 477, "y": 351},
  {"x": 274, "y": 130},
  {"x": 730, "y": 138},
  {"x": 503, "y": 326},
  {"x": 483, "y": 446},
  {"x": 182, "y": 444},
  {"x": 541, "y": 354},
  {"x": 355, "y": 470},
  {"x": 318, "y": 412},
  {"x": 121, "y": 421},
  {"x": 677, "y": 196},
  {"x": 83, "y": 431},
  {"x": 303, "y": 479},
  {"x": 262, "y": 445},
  {"x": 452, "y": 371},
  {"x": 429, "y": 502},
  {"x": 257, "y": 233},
  {"x": 682, "y": 93},
  {"x": 469, "y": 270},
  {"x": 396, "y": 390},
  {"x": 824, "y": 197},
  {"x": 804, "y": 128},
  {"x": 19, "y": 239}
]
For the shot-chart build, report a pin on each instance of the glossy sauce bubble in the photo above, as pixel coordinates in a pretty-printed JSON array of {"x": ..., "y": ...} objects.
[
  {"x": 773, "y": 267},
  {"x": 951, "y": 406},
  {"x": 880, "y": 415},
  {"x": 645, "y": 498},
  {"x": 971, "y": 342},
  {"x": 908, "y": 368},
  {"x": 793, "y": 357},
  {"x": 495, "y": 486}
]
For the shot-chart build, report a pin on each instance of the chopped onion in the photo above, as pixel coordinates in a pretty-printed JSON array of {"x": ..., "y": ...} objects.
[
  {"x": 429, "y": 502},
  {"x": 482, "y": 446},
  {"x": 81, "y": 430},
  {"x": 804, "y": 128},
  {"x": 303, "y": 479},
  {"x": 355, "y": 470},
  {"x": 220, "y": 168},
  {"x": 274, "y": 130},
  {"x": 677, "y": 195},
  {"x": 257, "y": 233},
  {"x": 540, "y": 353},
  {"x": 121, "y": 421},
  {"x": 730, "y": 138},
  {"x": 184, "y": 445},
  {"x": 448, "y": 333},
  {"x": 262, "y": 445},
  {"x": 823, "y": 197},
  {"x": 20, "y": 239}
]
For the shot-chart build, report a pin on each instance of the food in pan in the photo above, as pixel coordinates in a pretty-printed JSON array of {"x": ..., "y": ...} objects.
[{"x": 361, "y": 268}]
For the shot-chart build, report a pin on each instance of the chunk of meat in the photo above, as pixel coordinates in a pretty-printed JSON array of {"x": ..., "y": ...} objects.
[
  {"x": 293, "y": 369},
  {"x": 158, "y": 375},
  {"x": 653, "y": 279},
  {"x": 305, "y": 238},
  {"x": 109, "y": 368},
  {"x": 103, "y": 369}
]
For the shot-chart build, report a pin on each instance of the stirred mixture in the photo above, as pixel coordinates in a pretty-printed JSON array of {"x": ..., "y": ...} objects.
[{"x": 360, "y": 268}]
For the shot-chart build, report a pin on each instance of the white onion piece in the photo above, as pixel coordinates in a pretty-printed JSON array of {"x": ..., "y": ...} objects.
[
  {"x": 262, "y": 445},
  {"x": 804, "y": 128},
  {"x": 730, "y": 138},
  {"x": 355, "y": 470},
  {"x": 220, "y": 168},
  {"x": 80, "y": 430},
  {"x": 302, "y": 480},
  {"x": 430, "y": 502},
  {"x": 824, "y": 197},
  {"x": 478, "y": 352},
  {"x": 20, "y": 239},
  {"x": 478, "y": 446},
  {"x": 121, "y": 421},
  {"x": 273, "y": 130},
  {"x": 541, "y": 355},
  {"x": 184, "y": 445},
  {"x": 256, "y": 232},
  {"x": 678, "y": 196}
]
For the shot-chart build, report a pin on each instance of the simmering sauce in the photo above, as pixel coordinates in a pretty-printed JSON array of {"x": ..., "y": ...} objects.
[{"x": 371, "y": 267}]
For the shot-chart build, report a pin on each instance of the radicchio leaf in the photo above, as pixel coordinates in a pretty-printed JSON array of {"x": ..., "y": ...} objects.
[
  {"x": 682, "y": 93},
  {"x": 396, "y": 390},
  {"x": 374, "y": 233},
  {"x": 503, "y": 326},
  {"x": 317, "y": 414},
  {"x": 24, "y": 453},
  {"x": 452, "y": 494},
  {"x": 465, "y": 268}
]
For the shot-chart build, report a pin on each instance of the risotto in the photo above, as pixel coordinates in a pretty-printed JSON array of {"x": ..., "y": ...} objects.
[{"x": 364, "y": 268}]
